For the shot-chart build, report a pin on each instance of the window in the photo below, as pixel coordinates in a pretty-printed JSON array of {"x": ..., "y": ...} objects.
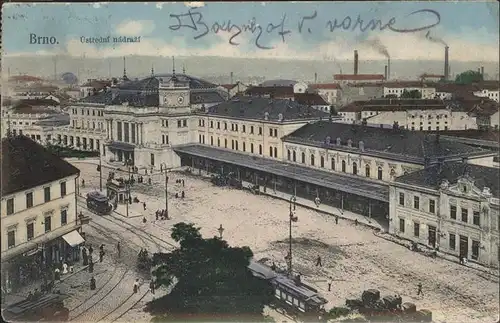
[
  {"x": 243, "y": 128},
  {"x": 303, "y": 158},
  {"x": 402, "y": 225},
  {"x": 251, "y": 148},
  {"x": 29, "y": 200},
  {"x": 48, "y": 223},
  {"x": 10, "y": 206},
  {"x": 402, "y": 199},
  {"x": 476, "y": 218},
  {"x": 235, "y": 143},
  {"x": 322, "y": 161},
  {"x": 312, "y": 160},
  {"x": 260, "y": 130},
  {"x": 30, "y": 230},
  {"x": 179, "y": 123},
  {"x": 379, "y": 173},
  {"x": 63, "y": 188},
  {"x": 332, "y": 164},
  {"x": 432, "y": 206},
  {"x": 465, "y": 215},
  {"x": 275, "y": 152},
  {"x": 64, "y": 217},
  {"x": 343, "y": 166},
  {"x": 453, "y": 212},
  {"x": 289, "y": 154},
  {"x": 211, "y": 124},
  {"x": 416, "y": 229},
  {"x": 355, "y": 168},
  {"x": 184, "y": 123},
  {"x": 244, "y": 147},
  {"x": 271, "y": 151},
  {"x": 475, "y": 250},
  {"x": 232, "y": 126},
  {"x": 276, "y": 132},
  {"x": 232, "y": 144},
  {"x": 218, "y": 142},
  {"x": 225, "y": 143},
  {"x": 251, "y": 130},
  {"x": 236, "y": 127},
  {"x": 452, "y": 241},
  {"x": 260, "y": 149},
  {"x": 270, "y": 132},
  {"x": 11, "y": 238},
  {"x": 211, "y": 140},
  {"x": 225, "y": 125},
  {"x": 416, "y": 202},
  {"x": 218, "y": 124}
]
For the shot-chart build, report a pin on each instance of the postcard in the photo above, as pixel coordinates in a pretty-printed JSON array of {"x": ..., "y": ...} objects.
[{"x": 250, "y": 161}]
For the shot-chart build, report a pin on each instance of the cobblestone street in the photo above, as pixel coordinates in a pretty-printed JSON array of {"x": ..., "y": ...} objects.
[{"x": 354, "y": 257}]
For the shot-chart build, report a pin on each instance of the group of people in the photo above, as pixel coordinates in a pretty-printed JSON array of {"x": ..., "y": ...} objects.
[{"x": 162, "y": 215}]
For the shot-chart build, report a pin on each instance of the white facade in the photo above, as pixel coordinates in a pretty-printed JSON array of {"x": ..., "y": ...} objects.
[
  {"x": 427, "y": 92},
  {"x": 300, "y": 87},
  {"x": 30, "y": 216},
  {"x": 491, "y": 94},
  {"x": 459, "y": 219}
]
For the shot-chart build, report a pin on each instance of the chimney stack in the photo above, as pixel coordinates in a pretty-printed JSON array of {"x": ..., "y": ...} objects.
[
  {"x": 385, "y": 73},
  {"x": 446, "y": 63},
  {"x": 231, "y": 78},
  {"x": 388, "y": 68},
  {"x": 482, "y": 71},
  {"x": 355, "y": 62},
  {"x": 315, "y": 78}
]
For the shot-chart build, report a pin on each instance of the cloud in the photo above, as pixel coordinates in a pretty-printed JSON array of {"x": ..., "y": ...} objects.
[
  {"x": 338, "y": 48},
  {"x": 195, "y": 4},
  {"x": 135, "y": 28}
]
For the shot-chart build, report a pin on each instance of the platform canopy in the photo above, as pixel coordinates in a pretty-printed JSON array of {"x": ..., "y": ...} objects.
[{"x": 73, "y": 238}]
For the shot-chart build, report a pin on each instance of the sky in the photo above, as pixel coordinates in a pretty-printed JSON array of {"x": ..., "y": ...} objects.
[{"x": 470, "y": 29}]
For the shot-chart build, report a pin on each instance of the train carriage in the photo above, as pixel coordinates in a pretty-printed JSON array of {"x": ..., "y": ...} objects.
[
  {"x": 47, "y": 307},
  {"x": 98, "y": 203}
]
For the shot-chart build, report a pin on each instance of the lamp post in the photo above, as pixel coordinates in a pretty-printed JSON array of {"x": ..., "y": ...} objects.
[
  {"x": 100, "y": 170},
  {"x": 292, "y": 218},
  {"x": 221, "y": 230},
  {"x": 164, "y": 166},
  {"x": 128, "y": 163}
]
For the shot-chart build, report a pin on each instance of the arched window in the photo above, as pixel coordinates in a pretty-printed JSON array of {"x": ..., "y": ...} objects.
[
  {"x": 333, "y": 163},
  {"x": 312, "y": 160},
  {"x": 275, "y": 152},
  {"x": 251, "y": 148},
  {"x": 271, "y": 151},
  {"x": 379, "y": 175},
  {"x": 343, "y": 166},
  {"x": 218, "y": 142},
  {"x": 260, "y": 149},
  {"x": 289, "y": 154},
  {"x": 303, "y": 158},
  {"x": 322, "y": 161},
  {"x": 294, "y": 156},
  {"x": 212, "y": 140},
  {"x": 225, "y": 143},
  {"x": 244, "y": 146},
  {"x": 236, "y": 144},
  {"x": 355, "y": 168},
  {"x": 367, "y": 170}
]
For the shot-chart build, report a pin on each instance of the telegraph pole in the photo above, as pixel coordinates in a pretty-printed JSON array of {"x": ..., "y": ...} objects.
[
  {"x": 100, "y": 171},
  {"x": 292, "y": 218}
]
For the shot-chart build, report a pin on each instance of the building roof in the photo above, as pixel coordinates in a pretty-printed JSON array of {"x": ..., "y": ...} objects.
[
  {"x": 478, "y": 106},
  {"x": 102, "y": 97},
  {"x": 392, "y": 143},
  {"x": 393, "y": 105},
  {"x": 228, "y": 86},
  {"x": 431, "y": 177},
  {"x": 310, "y": 99},
  {"x": 325, "y": 86},
  {"x": 455, "y": 88},
  {"x": 205, "y": 97},
  {"x": 36, "y": 88},
  {"x": 28, "y": 109},
  {"x": 97, "y": 84},
  {"x": 37, "y": 102},
  {"x": 27, "y": 164},
  {"x": 154, "y": 82},
  {"x": 489, "y": 85},
  {"x": 358, "y": 77},
  {"x": 278, "y": 83},
  {"x": 276, "y": 91},
  {"x": 24, "y": 78},
  {"x": 489, "y": 135},
  {"x": 407, "y": 84},
  {"x": 256, "y": 108}
]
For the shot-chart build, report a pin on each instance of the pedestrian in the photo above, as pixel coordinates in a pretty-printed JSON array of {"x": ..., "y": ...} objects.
[
  {"x": 101, "y": 255},
  {"x": 119, "y": 249},
  {"x": 330, "y": 285},
  {"x": 91, "y": 250},
  {"x": 57, "y": 274},
  {"x": 65, "y": 268},
  {"x": 182, "y": 194},
  {"x": 136, "y": 285},
  {"x": 419, "y": 290},
  {"x": 144, "y": 220},
  {"x": 30, "y": 296},
  {"x": 318, "y": 262},
  {"x": 182, "y": 183},
  {"x": 92, "y": 283},
  {"x": 176, "y": 195},
  {"x": 152, "y": 287},
  {"x": 336, "y": 219},
  {"x": 144, "y": 205},
  {"x": 157, "y": 215},
  {"x": 149, "y": 181},
  {"x": 101, "y": 247},
  {"x": 91, "y": 266}
]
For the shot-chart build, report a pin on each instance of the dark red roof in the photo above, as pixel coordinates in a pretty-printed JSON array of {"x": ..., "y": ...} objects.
[
  {"x": 455, "y": 88},
  {"x": 488, "y": 85},
  {"x": 228, "y": 86},
  {"x": 358, "y": 77},
  {"x": 25, "y": 78},
  {"x": 310, "y": 99},
  {"x": 325, "y": 86}
]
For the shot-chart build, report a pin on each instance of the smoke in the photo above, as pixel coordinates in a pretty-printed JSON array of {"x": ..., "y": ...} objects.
[
  {"x": 434, "y": 39},
  {"x": 376, "y": 44}
]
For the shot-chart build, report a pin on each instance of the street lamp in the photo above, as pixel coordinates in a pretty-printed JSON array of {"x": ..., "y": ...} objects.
[
  {"x": 128, "y": 163},
  {"x": 221, "y": 230},
  {"x": 292, "y": 218},
  {"x": 99, "y": 169},
  {"x": 164, "y": 166}
]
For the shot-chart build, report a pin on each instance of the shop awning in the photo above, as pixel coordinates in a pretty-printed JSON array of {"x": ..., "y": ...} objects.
[{"x": 73, "y": 238}]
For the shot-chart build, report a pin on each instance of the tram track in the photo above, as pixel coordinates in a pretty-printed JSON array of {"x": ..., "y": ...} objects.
[{"x": 124, "y": 307}]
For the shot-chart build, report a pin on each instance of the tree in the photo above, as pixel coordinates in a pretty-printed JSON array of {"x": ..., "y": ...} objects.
[
  {"x": 469, "y": 77},
  {"x": 209, "y": 280},
  {"x": 413, "y": 94}
]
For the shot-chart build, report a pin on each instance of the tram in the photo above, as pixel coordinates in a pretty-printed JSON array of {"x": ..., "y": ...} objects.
[
  {"x": 98, "y": 203},
  {"x": 47, "y": 307},
  {"x": 291, "y": 294}
]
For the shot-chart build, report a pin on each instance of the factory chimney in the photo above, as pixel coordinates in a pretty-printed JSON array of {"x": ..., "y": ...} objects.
[
  {"x": 355, "y": 62},
  {"x": 315, "y": 78},
  {"x": 388, "y": 68},
  {"x": 385, "y": 72},
  {"x": 231, "y": 78},
  {"x": 482, "y": 71},
  {"x": 446, "y": 64}
]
